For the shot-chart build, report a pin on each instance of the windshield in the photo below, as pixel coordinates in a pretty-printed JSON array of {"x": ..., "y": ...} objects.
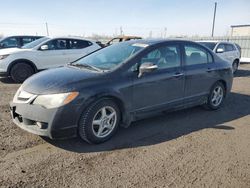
[
  {"x": 35, "y": 43},
  {"x": 110, "y": 57},
  {"x": 209, "y": 45}
]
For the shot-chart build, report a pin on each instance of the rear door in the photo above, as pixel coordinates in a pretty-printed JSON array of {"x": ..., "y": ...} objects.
[
  {"x": 199, "y": 72},
  {"x": 232, "y": 53}
]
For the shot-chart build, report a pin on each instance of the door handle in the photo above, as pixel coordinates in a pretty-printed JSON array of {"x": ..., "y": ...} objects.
[
  {"x": 210, "y": 69},
  {"x": 178, "y": 74}
]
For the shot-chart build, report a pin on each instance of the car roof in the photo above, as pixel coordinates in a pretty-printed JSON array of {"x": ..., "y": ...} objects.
[
  {"x": 70, "y": 37},
  {"x": 157, "y": 41},
  {"x": 215, "y": 41},
  {"x": 20, "y": 36}
]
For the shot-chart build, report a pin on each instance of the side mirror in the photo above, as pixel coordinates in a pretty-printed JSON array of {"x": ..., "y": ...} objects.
[
  {"x": 146, "y": 67},
  {"x": 44, "y": 47},
  {"x": 220, "y": 50}
]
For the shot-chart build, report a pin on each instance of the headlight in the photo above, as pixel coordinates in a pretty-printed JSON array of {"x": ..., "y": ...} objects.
[
  {"x": 3, "y": 56},
  {"x": 55, "y": 100}
]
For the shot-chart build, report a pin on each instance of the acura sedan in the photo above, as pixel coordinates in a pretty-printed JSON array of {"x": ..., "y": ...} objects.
[{"x": 120, "y": 84}]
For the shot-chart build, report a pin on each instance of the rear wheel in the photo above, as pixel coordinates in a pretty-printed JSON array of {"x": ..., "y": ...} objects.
[
  {"x": 216, "y": 96},
  {"x": 21, "y": 71},
  {"x": 99, "y": 122},
  {"x": 235, "y": 66}
]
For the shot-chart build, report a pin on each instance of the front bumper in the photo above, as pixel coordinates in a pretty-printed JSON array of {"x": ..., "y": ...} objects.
[{"x": 54, "y": 123}]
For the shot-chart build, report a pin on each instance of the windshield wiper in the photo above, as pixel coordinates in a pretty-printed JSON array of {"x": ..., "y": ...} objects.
[{"x": 86, "y": 66}]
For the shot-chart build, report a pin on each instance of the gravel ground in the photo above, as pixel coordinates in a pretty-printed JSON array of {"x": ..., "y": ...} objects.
[{"x": 189, "y": 148}]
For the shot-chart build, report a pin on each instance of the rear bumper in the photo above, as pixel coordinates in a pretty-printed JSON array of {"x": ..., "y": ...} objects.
[{"x": 53, "y": 123}]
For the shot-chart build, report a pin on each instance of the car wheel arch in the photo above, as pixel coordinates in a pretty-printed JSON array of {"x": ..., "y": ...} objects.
[
  {"x": 224, "y": 84},
  {"x": 125, "y": 118},
  {"x": 23, "y": 61}
]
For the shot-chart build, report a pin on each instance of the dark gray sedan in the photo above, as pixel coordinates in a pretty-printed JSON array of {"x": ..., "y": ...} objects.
[{"x": 119, "y": 84}]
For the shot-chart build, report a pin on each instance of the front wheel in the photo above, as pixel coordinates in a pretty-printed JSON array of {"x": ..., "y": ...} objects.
[
  {"x": 216, "y": 96},
  {"x": 99, "y": 122},
  {"x": 20, "y": 72}
]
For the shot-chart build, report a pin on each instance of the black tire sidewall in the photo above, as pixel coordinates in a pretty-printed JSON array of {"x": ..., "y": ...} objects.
[
  {"x": 15, "y": 71},
  {"x": 85, "y": 124},
  {"x": 237, "y": 64},
  {"x": 209, "y": 101}
]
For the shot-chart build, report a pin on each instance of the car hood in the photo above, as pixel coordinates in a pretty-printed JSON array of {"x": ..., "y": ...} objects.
[
  {"x": 59, "y": 80},
  {"x": 12, "y": 50}
]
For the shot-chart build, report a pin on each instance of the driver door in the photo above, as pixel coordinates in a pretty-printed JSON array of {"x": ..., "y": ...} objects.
[
  {"x": 54, "y": 56},
  {"x": 161, "y": 88}
]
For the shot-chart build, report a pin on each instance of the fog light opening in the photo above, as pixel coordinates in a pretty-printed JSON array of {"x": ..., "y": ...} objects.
[{"x": 41, "y": 125}]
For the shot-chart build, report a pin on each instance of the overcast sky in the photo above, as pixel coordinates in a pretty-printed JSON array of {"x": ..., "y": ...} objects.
[{"x": 137, "y": 17}]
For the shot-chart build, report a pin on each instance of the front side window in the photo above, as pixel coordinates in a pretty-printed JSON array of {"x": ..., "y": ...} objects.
[
  {"x": 195, "y": 55},
  {"x": 57, "y": 44},
  {"x": 9, "y": 42},
  {"x": 221, "y": 46},
  {"x": 164, "y": 57},
  {"x": 79, "y": 44}
]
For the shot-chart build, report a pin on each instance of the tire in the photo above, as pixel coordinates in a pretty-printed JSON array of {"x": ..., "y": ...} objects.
[
  {"x": 235, "y": 66},
  {"x": 21, "y": 71},
  {"x": 93, "y": 120},
  {"x": 211, "y": 104}
]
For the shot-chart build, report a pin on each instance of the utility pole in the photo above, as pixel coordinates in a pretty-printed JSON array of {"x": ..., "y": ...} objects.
[
  {"x": 47, "y": 28},
  {"x": 215, "y": 6},
  {"x": 165, "y": 32},
  {"x": 121, "y": 31}
]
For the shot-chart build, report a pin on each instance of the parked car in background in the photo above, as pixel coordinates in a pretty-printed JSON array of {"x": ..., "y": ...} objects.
[
  {"x": 119, "y": 84},
  {"x": 226, "y": 50},
  {"x": 41, "y": 54},
  {"x": 121, "y": 39},
  {"x": 16, "y": 41}
]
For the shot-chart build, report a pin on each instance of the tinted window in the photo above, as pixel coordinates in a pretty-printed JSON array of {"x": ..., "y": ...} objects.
[
  {"x": 164, "y": 57},
  {"x": 57, "y": 44},
  {"x": 196, "y": 55},
  {"x": 9, "y": 42},
  {"x": 230, "y": 47},
  {"x": 79, "y": 44}
]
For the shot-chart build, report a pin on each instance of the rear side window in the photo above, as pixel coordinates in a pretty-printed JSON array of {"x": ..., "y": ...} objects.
[
  {"x": 195, "y": 55},
  {"x": 79, "y": 44},
  {"x": 230, "y": 47},
  {"x": 9, "y": 42}
]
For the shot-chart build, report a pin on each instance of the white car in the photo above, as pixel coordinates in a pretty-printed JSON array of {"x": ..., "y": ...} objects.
[
  {"x": 227, "y": 50},
  {"x": 44, "y": 53}
]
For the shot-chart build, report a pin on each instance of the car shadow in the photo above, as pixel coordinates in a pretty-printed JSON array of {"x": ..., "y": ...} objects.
[
  {"x": 166, "y": 127},
  {"x": 7, "y": 80},
  {"x": 242, "y": 73}
]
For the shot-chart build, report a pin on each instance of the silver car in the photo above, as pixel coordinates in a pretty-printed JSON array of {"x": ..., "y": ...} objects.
[{"x": 226, "y": 50}]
